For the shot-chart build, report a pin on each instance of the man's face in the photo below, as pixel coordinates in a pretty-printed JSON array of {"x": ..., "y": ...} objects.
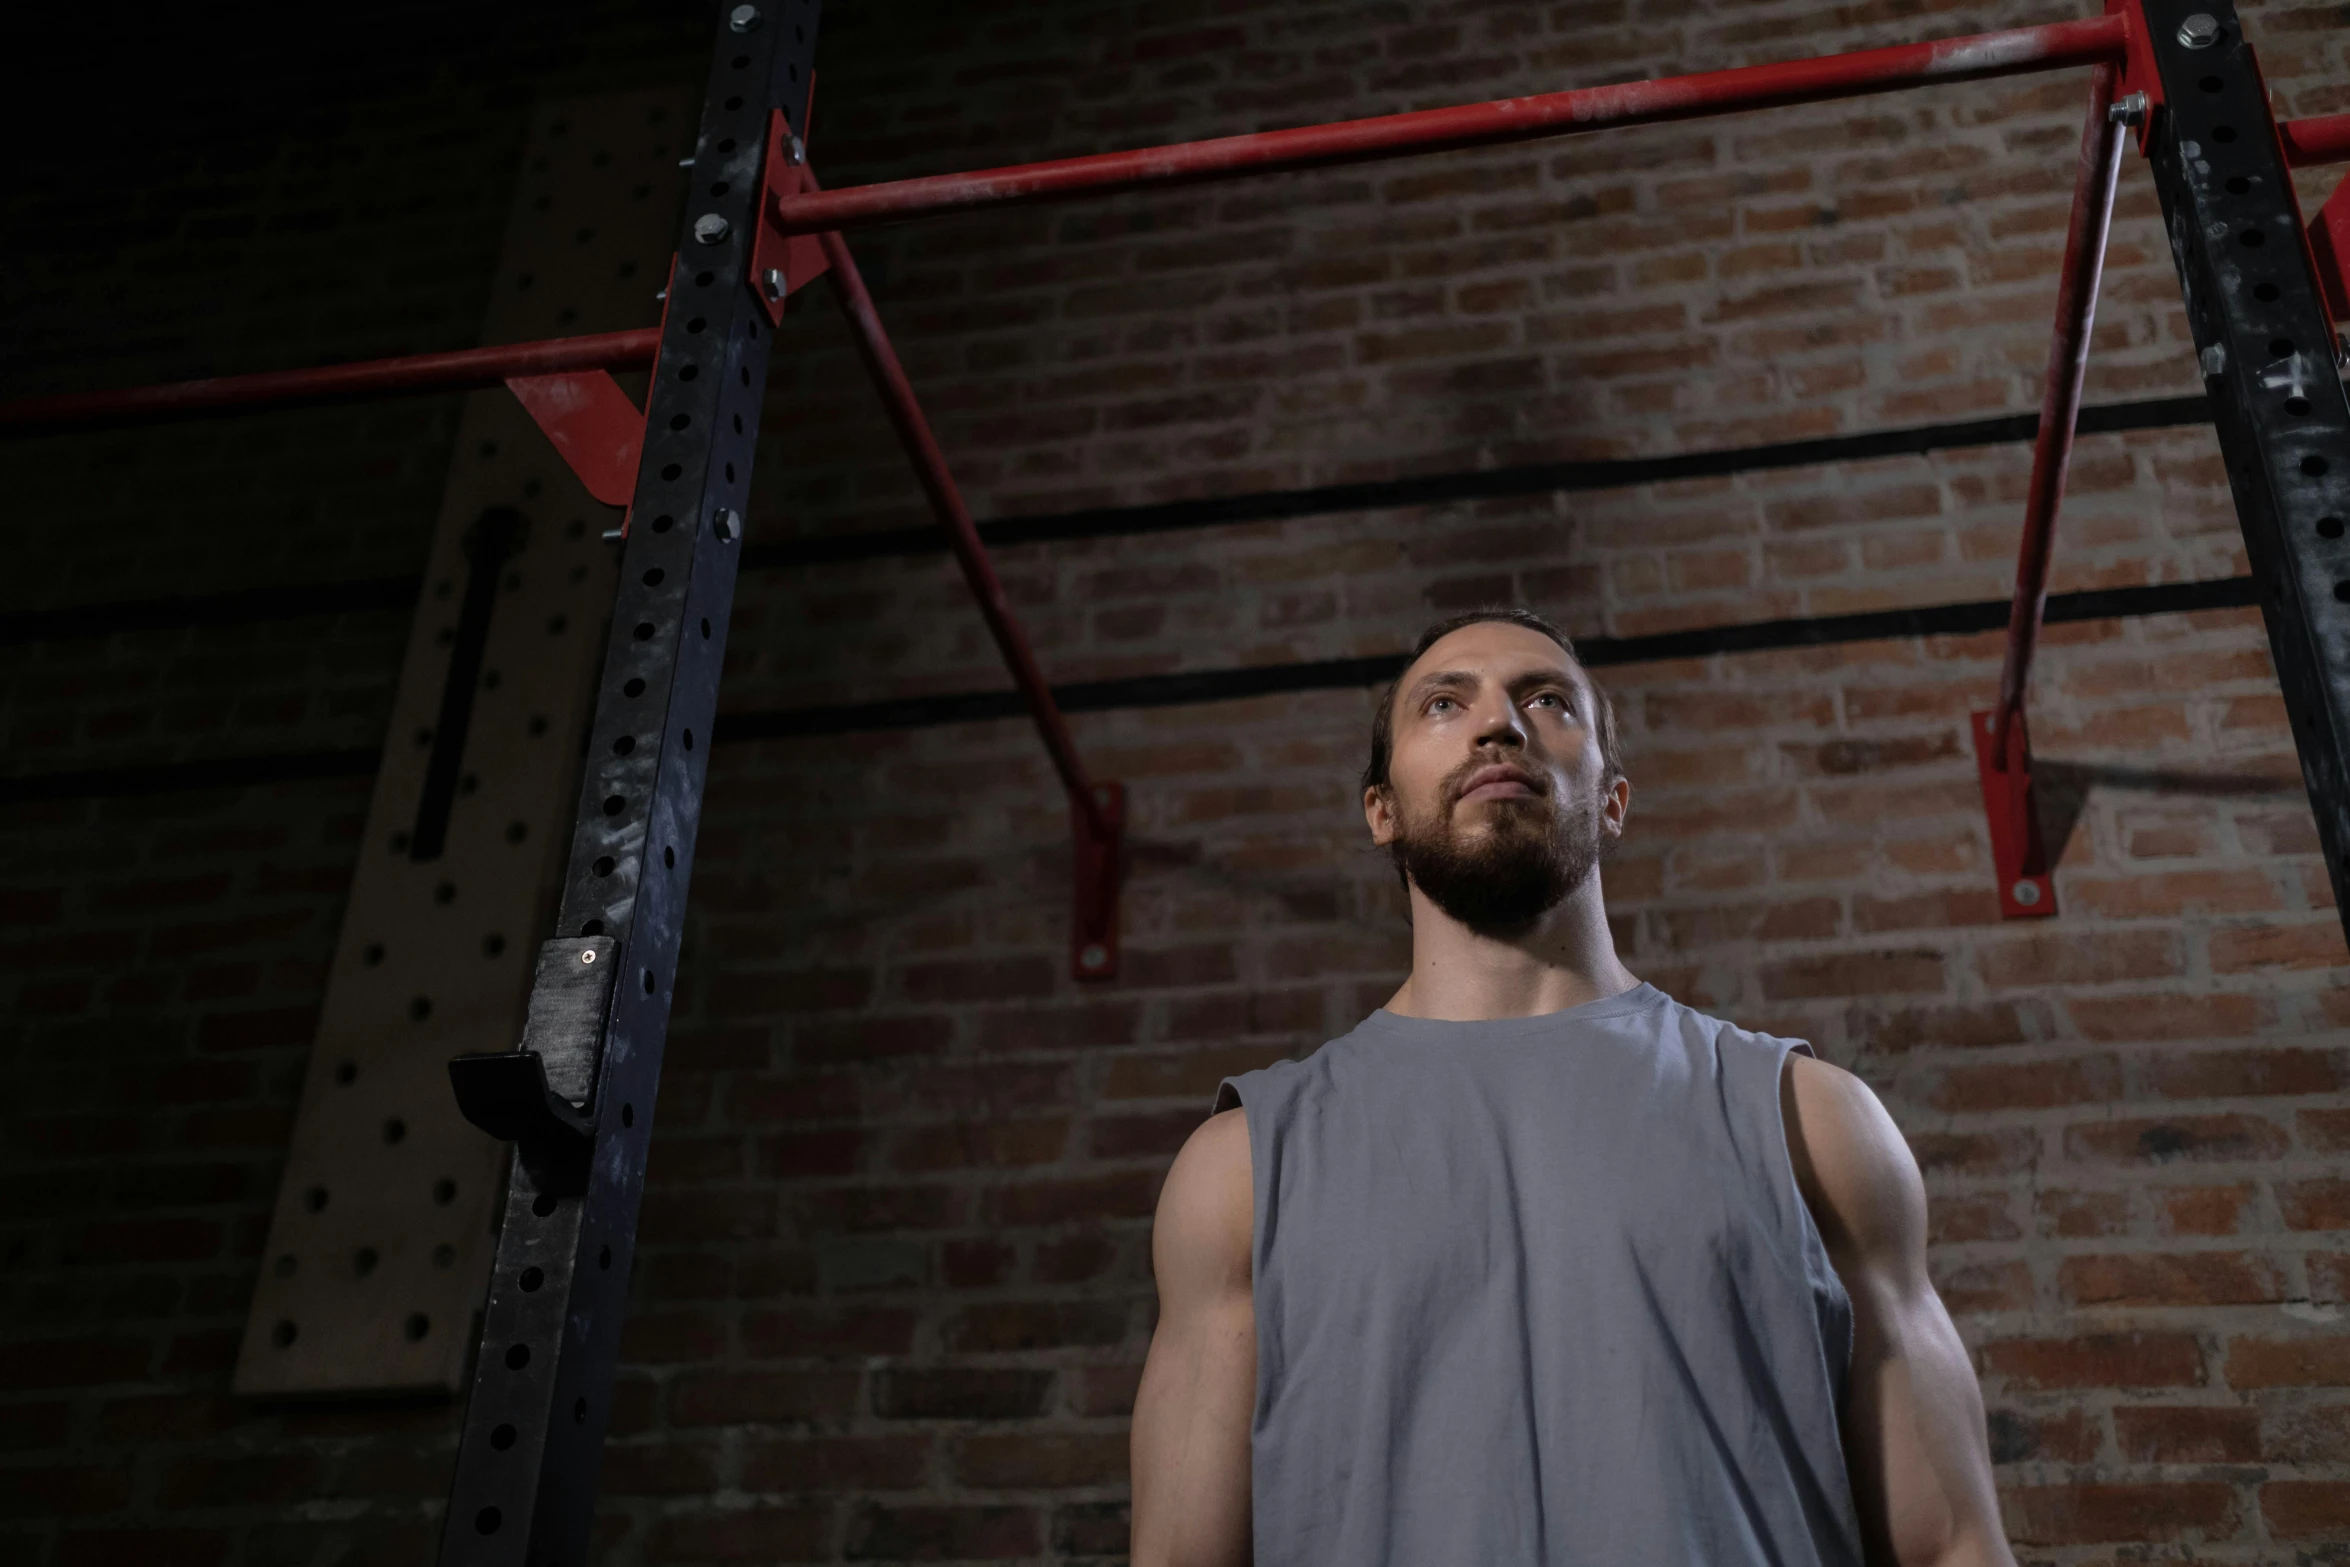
[{"x": 1499, "y": 803}]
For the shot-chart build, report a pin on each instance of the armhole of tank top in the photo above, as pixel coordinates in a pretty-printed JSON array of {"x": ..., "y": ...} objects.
[
  {"x": 1811, "y": 1244},
  {"x": 1817, "y": 1265}
]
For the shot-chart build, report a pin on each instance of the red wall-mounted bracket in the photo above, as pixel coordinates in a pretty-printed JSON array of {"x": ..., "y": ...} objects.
[
  {"x": 782, "y": 264},
  {"x": 1099, "y": 836},
  {"x": 2329, "y": 248},
  {"x": 591, "y": 422},
  {"x": 2027, "y": 890}
]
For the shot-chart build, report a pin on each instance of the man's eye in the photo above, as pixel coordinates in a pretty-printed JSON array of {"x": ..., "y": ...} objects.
[{"x": 1439, "y": 702}]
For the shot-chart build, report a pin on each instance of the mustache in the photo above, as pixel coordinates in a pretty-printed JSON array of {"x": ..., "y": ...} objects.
[{"x": 1457, "y": 782}]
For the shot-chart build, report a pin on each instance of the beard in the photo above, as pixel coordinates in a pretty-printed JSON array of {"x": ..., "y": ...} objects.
[{"x": 1498, "y": 880}]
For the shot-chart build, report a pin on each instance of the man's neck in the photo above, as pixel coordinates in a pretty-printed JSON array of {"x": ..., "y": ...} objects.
[{"x": 1461, "y": 976}]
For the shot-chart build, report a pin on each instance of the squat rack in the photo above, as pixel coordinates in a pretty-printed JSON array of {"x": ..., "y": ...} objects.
[{"x": 2264, "y": 294}]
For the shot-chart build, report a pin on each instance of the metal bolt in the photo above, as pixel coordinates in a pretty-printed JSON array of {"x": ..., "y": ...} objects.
[
  {"x": 744, "y": 19},
  {"x": 798, "y": 150},
  {"x": 2199, "y": 31},
  {"x": 2130, "y": 111},
  {"x": 726, "y": 525},
  {"x": 711, "y": 229},
  {"x": 2214, "y": 359},
  {"x": 772, "y": 280},
  {"x": 588, "y": 956},
  {"x": 2026, "y": 893},
  {"x": 1094, "y": 956}
]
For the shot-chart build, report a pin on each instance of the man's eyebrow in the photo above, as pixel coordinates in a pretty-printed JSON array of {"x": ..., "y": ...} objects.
[
  {"x": 1544, "y": 677},
  {"x": 1442, "y": 680}
]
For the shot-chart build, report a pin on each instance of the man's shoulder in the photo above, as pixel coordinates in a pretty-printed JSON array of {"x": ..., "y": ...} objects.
[
  {"x": 1206, "y": 1216},
  {"x": 1852, "y": 1162}
]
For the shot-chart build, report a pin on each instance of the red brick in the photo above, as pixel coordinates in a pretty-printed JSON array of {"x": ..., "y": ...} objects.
[
  {"x": 738, "y": 1396},
  {"x": 2288, "y": 1362},
  {"x": 836, "y": 1463},
  {"x": 2024, "y": 1085},
  {"x": 2200, "y": 1278},
  {"x": 943, "y": 1534},
  {"x": 754, "y": 1533},
  {"x": 1853, "y": 974},
  {"x": 2130, "y": 1018},
  {"x": 2315, "y": 1205},
  {"x": 2187, "y": 1434},
  {"x": 2205, "y": 1210},
  {"x": 2098, "y": 1514},
  {"x": 2239, "y": 1074},
  {"x": 1042, "y": 1460},
  {"x": 2184, "y": 1138},
  {"x": 960, "y": 1393},
  {"x": 2306, "y": 1509},
  {"x": 2097, "y": 1360},
  {"x": 2270, "y": 948},
  {"x": 2080, "y": 958}
]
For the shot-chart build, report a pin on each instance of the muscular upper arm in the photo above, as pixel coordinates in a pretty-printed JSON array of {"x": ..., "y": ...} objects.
[
  {"x": 1913, "y": 1420},
  {"x": 1191, "y": 1417}
]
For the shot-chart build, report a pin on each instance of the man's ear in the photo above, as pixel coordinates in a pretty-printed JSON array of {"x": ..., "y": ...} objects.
[
  {"x": 1618, "y": 805},
  {"x": 1379, "y": 814}
]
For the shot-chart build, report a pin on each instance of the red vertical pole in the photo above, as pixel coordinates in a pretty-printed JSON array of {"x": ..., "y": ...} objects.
[{"x": 2002, "y": 745}]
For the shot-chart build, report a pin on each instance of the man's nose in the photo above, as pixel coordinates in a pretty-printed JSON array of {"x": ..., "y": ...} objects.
[{"x": 1502, "y": 724}]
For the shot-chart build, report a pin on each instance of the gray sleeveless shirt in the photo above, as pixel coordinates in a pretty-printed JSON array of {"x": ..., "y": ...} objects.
[{"x": 1542, "y": 1291}]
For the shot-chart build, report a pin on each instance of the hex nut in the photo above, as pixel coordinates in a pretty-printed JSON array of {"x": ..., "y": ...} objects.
[{"x": 711, "y": 229}]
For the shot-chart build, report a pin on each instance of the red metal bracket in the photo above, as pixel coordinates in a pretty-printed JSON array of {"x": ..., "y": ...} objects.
[
  {"x": 2027, "y": 890},
  {"x": 2139, "y": 73},
  {"x": 591, "y": 422},
  {"x": 1099, "y": 834},
  {"x": 782, "y": 264},
  {"x": 2329, "y": 248}
]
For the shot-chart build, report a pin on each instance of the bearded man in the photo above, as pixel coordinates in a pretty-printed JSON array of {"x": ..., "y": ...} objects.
[{"x": 1538, "y": 1266}]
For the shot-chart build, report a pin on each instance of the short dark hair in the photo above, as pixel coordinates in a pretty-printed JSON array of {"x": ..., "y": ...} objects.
[{"x": 1383, "y": 722}]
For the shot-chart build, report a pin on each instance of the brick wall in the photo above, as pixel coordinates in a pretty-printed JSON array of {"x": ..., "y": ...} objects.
[{"x": 892, "y": 1290}]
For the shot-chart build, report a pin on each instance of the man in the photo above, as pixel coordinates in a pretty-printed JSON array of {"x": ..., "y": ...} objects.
[{"x": 1538, "y": 1266}]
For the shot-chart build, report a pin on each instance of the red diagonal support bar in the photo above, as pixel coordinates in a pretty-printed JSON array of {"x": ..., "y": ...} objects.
[
  {"x": 2048, "y": 48},
  {"x": 466, "y": 369},
  {"x": 1097, "y": 810},
  {"x": 2002, "y": 744},
  {"x": 591, "y": 424}
]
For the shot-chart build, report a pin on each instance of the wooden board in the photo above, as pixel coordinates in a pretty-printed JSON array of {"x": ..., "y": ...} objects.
[{"x": 380, "y": 1245}]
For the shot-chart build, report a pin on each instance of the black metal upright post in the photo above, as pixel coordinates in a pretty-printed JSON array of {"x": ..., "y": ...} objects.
[
  {"x": 2269, "y": 362},
  {"x": 578, "y": 1097}
]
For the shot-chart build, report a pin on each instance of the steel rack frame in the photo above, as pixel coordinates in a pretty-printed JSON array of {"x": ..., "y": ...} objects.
[{"x": 2265, "y": 293}]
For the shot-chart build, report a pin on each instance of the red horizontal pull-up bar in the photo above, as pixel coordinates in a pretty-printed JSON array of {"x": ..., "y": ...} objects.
[
  {"x": 466, "y": 369},
  {"x": 2047, "y": 48},
  {"x": 2325, "y": 139}
]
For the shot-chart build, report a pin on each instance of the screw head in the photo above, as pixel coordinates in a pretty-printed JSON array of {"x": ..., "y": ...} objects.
[
  {"x": 711, "y": 229},
  {"x": 2199, "y": 31},
  {"x": 2026, "y": 893},
  {"x": 726, "y": 524},
  {"x": 588, "y": 956},
  {"x": 1094, "y": 956},
  {"x": 743, "y": 19},
  {"x": 797, "y": 150},
  {"x": 2130, "y": 110},
  {"x": 772, "y": 281}
]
